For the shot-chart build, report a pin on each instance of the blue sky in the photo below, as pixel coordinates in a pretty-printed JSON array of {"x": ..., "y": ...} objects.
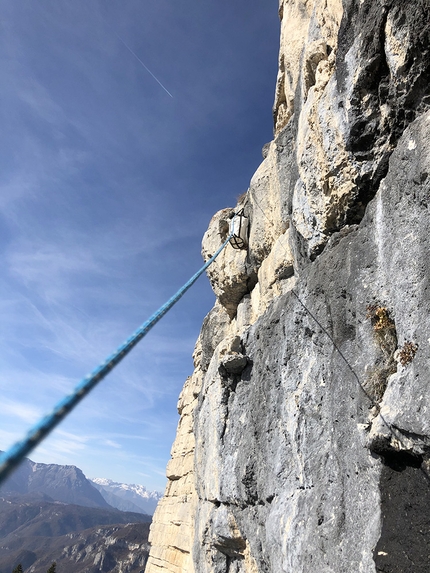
[{"x": 107, "y": 184}]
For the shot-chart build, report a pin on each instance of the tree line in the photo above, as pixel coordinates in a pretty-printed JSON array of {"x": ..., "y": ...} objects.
[{"x": 52, "y": 569}]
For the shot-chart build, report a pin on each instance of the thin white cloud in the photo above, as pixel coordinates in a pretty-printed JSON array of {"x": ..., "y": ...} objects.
[
  {"x": 113, "y": 444},
  {"x": 103, "y": 179},
  {"x": 65, "y": 446},
  {"x": 62, "y": 443},
  {"x": 7, "y": 438},
  {"x": 49, "y": 262},
  {"x": 19, "y": 409},
  {"x": 116, "y": 436},
  {"x": 36, "y": 96},
  {"x": 14, "y": 189}
]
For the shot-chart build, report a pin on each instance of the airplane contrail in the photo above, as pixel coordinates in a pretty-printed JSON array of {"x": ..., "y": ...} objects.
[{"x": 146, "y": 67}]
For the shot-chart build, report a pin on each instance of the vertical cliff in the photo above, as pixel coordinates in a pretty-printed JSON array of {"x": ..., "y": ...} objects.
[{"x": 304, "y": 438}]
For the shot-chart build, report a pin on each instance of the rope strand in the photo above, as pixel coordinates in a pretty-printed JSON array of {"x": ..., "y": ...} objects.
[{"x": 10, "y": 459}]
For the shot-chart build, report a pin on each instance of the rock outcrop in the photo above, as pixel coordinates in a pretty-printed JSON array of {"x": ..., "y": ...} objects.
[{"x": 304, "y": 438}]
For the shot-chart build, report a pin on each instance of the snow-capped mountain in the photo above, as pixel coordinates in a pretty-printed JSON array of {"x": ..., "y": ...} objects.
[{"x": 127, "y": 497}]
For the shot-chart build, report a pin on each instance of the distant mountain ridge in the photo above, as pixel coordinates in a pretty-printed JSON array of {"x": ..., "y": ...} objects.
[
  {"x": 36, "y": 532},
  {"x": 50, "y": 512},
  {"x": 127, "y": 497},
  {"x": 61, "y": 483}
]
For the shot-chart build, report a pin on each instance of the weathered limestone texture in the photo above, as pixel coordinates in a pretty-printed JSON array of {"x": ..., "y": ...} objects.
[
  {"x": 308, "y": 36},
  {"x": 304, "y": 439}
]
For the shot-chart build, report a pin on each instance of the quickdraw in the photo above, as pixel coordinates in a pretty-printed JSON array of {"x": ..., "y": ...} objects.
[{"x": 239, "y": 226}]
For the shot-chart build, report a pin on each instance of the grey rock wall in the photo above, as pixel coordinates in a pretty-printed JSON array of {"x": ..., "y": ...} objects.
[
  {"x": 294, "y": 452},
  {"x": 308, "y": 413}
]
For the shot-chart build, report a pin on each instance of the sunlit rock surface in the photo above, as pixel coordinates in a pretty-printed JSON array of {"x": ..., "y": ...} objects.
[{"x": 304, "y": 439}]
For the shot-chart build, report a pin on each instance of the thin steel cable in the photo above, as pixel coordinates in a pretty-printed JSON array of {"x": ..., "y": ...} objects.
[
  {"x": 396, "y": 434},
  {"x": 315, "y": 319},
  {"x": 10, "y": 459}
]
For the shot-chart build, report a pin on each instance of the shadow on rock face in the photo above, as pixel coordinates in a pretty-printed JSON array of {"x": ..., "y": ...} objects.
[{"x": 404, "y": 545}]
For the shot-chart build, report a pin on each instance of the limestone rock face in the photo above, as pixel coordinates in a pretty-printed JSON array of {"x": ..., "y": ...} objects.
[
  {"x": 363, "y": 96},
  {"x": 229, "y": 274},
  {"x": 304, "y": 439},
  {"x": 308, "y": 35}
]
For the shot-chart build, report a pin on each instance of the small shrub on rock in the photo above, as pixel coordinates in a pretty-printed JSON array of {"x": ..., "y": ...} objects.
[{"x": 407, "y": 352}]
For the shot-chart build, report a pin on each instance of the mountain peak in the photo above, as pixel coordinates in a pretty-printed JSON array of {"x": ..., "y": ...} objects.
[
  {"x": 121, "y": 495},
  {"x": 67, "y": 484}
]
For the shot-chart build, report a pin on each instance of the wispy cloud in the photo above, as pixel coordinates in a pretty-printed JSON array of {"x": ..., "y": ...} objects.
[
  {"x": 106, "y": 187},
  {"x": 50, "y": 267},
  {"x": 20, "y": 410},
  {"x": 113, "y": 444},
  {"x": 7, "y": 438},
  {"x": 139, "y": 437}
]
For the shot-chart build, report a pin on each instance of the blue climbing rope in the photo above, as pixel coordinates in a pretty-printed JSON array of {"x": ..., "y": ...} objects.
[{"x": 9, "y": 460}]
